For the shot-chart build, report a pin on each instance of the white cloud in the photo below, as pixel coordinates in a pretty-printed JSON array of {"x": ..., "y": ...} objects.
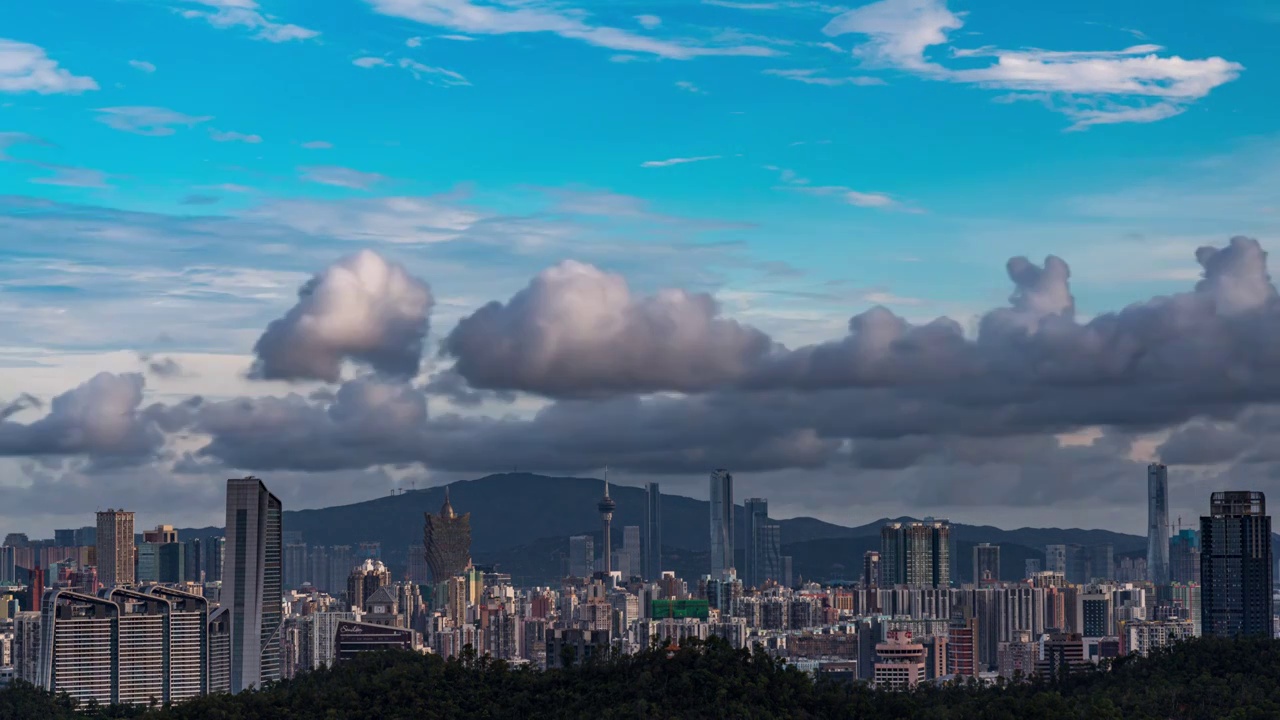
[
  {"x": 406, "y": 220},
  {"x": 690, "y": 87},
  {"x": 232, "y": 136},
  {"x": 456, "y": 38},
  {"x": 26, "y": 68},
  {"x": 73, "y": 177},
  {"x": 224, "y": 14},
  {"x": 649, "y": 22},
  {"x": 317, "y": 145},
  {"x": 677, "y": 161},
  {"x": 370, "y": 62},
  {"x": 413, "y": 42},
  {"x": 849, "y": 196},
  {"x": 340, "y": 176},
  {"x": 154, "y": 121},
  {"x": 811, "y": 76},
  {"x": 433, "y": 75},
  {"x": 1095, "y": 87},
  {"x": 539, "y": 17},
  {"x": 142, "y": 65}
]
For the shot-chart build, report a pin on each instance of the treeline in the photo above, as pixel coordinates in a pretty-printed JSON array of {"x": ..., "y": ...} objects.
[{"x": 1206, "y": 679}]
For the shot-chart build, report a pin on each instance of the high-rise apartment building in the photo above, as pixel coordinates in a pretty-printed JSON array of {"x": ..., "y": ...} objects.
[
  {"x": 722, "y": 512},
  {"x": 447, "y": 539},
  {"x": 653, "y": 532},
  {"x": 187, "y": 660},
  {"x": 986, "y": 564},
  {"x": 215, "y": 549},
  {"x": 8, "y": 564},
  {"x": 1101, "y": 562},
  {"x": 1184, "y": 557},
  {"x": 418, "y": 572},
  {"x": 632, "y": 551},
  {"x": 364, "y": 580},
  {"x": 161, "y": 535},
  {"x": 1235, "y": 566},
  {"x": 296, "y": 567},
  {"x": 252, "y": 585},
  {"x": 1158, "y": 523},
  {"x": 142, "y": 642},
  {"x": 78, "y": 645},
  {"x": 917, "y": 554},
  {"x": 115, "y": 548}
]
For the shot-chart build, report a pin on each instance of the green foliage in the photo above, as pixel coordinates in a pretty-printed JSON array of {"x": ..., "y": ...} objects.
[{"x": 1205, "y": 679}]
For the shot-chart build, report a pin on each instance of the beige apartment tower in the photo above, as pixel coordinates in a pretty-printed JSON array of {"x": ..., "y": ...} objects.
[{"x": 115, "y": 548}]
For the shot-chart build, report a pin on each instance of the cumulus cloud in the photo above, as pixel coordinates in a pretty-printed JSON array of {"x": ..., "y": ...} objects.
[
  {"x": 578, "y": 330},
  {"x": 362, "y": 308},
  {"x": 100, "y": 418},
  {"x": 27, "y": 68}
]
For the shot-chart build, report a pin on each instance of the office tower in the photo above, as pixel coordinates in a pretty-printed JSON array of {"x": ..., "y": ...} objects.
[
  {"x": 252, "y": 583},
  {"x": 64, "y": 538},
  {"x": 1094, "y": 616},
  {"x": 1184, "y": 557},
  {"x": 786, "y": 580},
  {"x": 900, "y": 662},
  {"x": 78, "y": 646},
  {"x": 86, "y": 536},
  {"x": 162, "y": 534},
  {"x": 1101, "y": 563},
  {"x": 1158, "y": 523},
  {"x": 721, "y": 522},
  {"x": 193, "y": 566},
  {"x": 1032, "y": 567},
  {"x": 916, "y": 554},
  {"x": 172, "y": 562},
  {"x": 986, "y": 564},
  {"x": 18, "y": 540},
  {"x": 582, "y": 557},
  {"x": 631, "y": 548},
  {"x": 8, "y": 564},
  {"x": 147, "y": 569},
  {"x": 296, "y": 569},
  {"x": 755, "y": 515},
  {"x": 606, "y": 506},
  {"x": 115, "y": 548},
  {"x": 870, "y": 569},
  {"x": 188, "y": 647},
  {"x": 215, "y": 550},
  {"x": 653, "y": 532},
  {"x": 418, "y": 572},
  {"x": 447, "y": 538},
  {"x": 1235, "y": 565},
  {"x": 769, "y": 553},
  {"x": 1062, "y": 653},
  {"x": 1070, "y": 560},
  {"x": 364, "y": 580}
]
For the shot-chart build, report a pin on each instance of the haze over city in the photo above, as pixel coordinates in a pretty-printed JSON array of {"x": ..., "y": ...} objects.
[{"x": 909, "y": 258}]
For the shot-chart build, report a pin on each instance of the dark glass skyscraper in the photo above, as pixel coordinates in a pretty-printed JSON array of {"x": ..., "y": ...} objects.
[
  {"x": 1158, "y": 523},
  {"x": 252, "y": 583},
  {"x": 756, "y": 516},
  {"x": 447, "y": 539},
  {"x": 653, "y": 533},
  {"x": 986, "y": 564},
  {"x": 917, "y": 554},
  {"x": 1235, "y": 565},
  {"x": 722, "y": 512}
]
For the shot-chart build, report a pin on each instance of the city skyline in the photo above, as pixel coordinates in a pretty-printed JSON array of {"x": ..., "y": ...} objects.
[{"x": 828, "y": 247}]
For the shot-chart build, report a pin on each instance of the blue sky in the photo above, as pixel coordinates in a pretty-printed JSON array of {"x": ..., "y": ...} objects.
[{"x": 174, "y": 169}]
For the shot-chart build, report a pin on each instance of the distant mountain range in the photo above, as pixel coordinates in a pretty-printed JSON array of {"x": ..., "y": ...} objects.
[{"x": 521, "y": 522}]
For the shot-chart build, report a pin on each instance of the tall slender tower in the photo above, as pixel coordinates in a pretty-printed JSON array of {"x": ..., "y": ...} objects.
[
  {"x": 253, "y": 583},
  {"x": 446, "y": 540},
  {"x": 606, "y": 506},
  {"x": 653, "y": 534},
  {"x": 721, "y": 523},
  {"x": 1158, "y": 523}
]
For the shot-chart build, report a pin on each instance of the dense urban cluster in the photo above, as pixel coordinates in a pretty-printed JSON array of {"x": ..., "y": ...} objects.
[{"x": 106, "y": 617}]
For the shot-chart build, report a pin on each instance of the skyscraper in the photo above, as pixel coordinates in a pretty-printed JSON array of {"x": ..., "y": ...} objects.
[
  {"x": 653, "y": 533},
  {"x": 721, "y": 522},
  {"x": 917, "y": 554},
  {"x": 871, "y": 569},
  {"x": 1158, "y": 523},
  {"x": 115, "y": 548},
  {"x": 252, "y": 585},
  {"x": 1235, "y": 565},
  {"x": 756, "y": 516},
  {"x": 582, "y": 556},
  {"x": 986, "y": 564},
  {"x": 447, "y": 539},
  {"x": 606, "y": 506},
  {"x": 1184, "y": 557},
  {"x": 631, "y": 551}
]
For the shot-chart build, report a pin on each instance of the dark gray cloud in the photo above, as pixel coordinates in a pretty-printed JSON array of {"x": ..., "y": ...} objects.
[
  {"x": 100, "y": 419},
  {"x": 579, "y": 331},
  {"x": 362, "y": 308},
  {"x": 450, "y": 385}
]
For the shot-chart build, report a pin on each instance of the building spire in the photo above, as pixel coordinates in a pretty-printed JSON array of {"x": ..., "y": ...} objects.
[{"x": 606, "y": 481}]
